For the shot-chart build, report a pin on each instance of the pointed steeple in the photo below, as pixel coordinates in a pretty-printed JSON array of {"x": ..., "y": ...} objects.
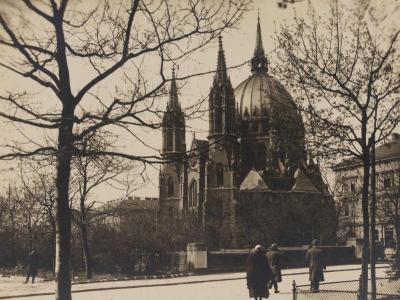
[
  {"x": 259, "y": 62},
  {"x": 173, "y": 122},
  {"x": 221, "y": 64},
  {"x": 173, "y": 93}
]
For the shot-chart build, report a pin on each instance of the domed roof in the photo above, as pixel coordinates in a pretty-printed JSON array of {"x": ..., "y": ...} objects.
[{"x": 262, "y": 93}]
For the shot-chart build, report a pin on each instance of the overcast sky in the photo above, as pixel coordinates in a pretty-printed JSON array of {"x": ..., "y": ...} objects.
[{"x": 238, "y": 45}]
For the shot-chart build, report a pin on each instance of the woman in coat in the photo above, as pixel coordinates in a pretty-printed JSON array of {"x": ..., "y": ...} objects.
[
  {"x": 258, "y": 274},
  {"x": 274, "y": 261}
]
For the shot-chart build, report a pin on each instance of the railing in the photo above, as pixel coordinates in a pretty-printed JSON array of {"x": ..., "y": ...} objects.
[{"x": 387, "y": 288}]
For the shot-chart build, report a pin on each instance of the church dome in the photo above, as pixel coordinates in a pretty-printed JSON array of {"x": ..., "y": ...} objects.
[
  {"x": 261, "y": 94},
  {"x": 269, "y": 123}
]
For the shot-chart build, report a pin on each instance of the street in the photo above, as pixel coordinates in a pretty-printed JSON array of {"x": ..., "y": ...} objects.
[{"x": 230, "y": 286}]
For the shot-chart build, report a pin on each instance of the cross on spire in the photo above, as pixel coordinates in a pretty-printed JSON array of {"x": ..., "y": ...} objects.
[{"x": 259, "y": 62}]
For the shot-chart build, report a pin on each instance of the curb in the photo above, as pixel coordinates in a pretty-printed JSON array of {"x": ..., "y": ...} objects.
[
  {"x": 123, "y": 287},
  {"x": 141, "y": 277}
]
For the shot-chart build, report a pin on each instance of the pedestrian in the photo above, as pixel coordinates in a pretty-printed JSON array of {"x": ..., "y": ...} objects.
[
  {"x": 274, "y": 261},
  {"x": 258, "y": 274},
  {"x": 380, "y": 253},
  {"x": 33, "y": 264},
  {"x": 315, "y": 260}
]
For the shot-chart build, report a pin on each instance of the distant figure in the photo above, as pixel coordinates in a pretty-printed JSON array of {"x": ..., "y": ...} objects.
[
  {"x": 315, "y": 260},
  {"x": 380, "y": 251},
  {"x": 258, "y": 274},
  {"x": 33, "y": 264},
  {"x": 274, "y": 261}
]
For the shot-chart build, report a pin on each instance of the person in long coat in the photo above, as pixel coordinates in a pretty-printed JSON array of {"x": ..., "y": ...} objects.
[
  {"x": 33, "y": 265},
  {"x": 274, "y": 261},
  {"x": 258, "y": 274},
  {"x": 315, "y": 259}
]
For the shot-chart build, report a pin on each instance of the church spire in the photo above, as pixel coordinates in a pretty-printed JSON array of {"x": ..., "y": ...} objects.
[
  {"x": 221, "y": 64},
  {"x": 259, "y": 62},
  {"x": 173, "y": 93}
]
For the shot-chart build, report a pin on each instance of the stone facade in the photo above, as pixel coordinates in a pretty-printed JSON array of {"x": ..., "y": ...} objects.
[
  {"x": 349, "y": 174},
  {"x": 255, "y": 150}
]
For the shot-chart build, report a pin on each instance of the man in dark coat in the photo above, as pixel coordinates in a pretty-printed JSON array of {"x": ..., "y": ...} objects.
[
  {"x": 274, "y": 261},
  {"x": 315, "y": 260},
  {"x": 258, "y": 274},
  {"x": 33, "y": 265}
]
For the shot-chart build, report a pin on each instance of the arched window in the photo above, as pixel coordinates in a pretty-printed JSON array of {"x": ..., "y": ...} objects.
[
  {"x": 193, "y": 194},
  {"x": 220, "y": 174},
  {"x": 170, "y": 185},
  {"x": 170, "y": 139}
]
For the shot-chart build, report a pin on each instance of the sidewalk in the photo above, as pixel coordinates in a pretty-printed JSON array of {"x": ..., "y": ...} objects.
[{"x": 14, "y": 287}]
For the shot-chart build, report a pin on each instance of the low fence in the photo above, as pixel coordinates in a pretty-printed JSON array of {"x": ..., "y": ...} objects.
[
  {"x": 386, "y": 288},
  {"x": 293, "y": 257}
]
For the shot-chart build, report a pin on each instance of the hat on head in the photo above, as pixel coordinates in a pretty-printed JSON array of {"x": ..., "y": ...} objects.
[
  {"x": 258, "y": 248},
  {"x": 274, "y": 246},
  {"x": 315, "y": 242}
]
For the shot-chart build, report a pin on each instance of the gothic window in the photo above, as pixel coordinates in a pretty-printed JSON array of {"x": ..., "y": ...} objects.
[
  {"x": 220, "y": 174},
  {"x": 169, "y": 139},
  {"x": 170, "y": 185},
  {"x": 220, "y": 209},
  {"x": 218, "y": 120},
  {"x": 193, "y": 194}
]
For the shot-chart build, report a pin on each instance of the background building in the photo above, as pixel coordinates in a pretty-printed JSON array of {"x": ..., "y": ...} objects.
[
  {"x": 251, "y": 181},
  {"x": 348, "y": 194}
]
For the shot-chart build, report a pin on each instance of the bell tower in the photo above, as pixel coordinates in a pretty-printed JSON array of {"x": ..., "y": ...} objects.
[
  {"x": 173, "y": 175},
  {"x": 219, "y": 212}
]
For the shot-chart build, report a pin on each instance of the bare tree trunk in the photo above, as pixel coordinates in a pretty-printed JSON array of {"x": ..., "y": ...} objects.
[
  {"x": 373, "y": 223},
  {"x": 63, "y": 218},
  {"x": 53, "y": 247},
  {"x": 86, "y": 251},
  {"x": 365, "y": 212}
]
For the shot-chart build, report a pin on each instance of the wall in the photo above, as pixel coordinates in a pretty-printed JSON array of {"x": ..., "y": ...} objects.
[{"x": 293, "y": 257}]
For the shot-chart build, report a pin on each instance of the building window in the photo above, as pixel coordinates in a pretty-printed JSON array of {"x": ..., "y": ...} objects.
[
  {"x": 170, "y": 185},
  {"x": 193, "y": 194},
  {"x": 352, "y": 187},
  {"x": 346, "y": 209},
  {"x": 220, "y": 174},
  {"x": 388, "y": 179}
]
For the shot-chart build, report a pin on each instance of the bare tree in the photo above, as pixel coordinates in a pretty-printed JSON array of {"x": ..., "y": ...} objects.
[
  {"x": 51, "y": 42},
  {"x": 38, "y": 184},
  {"x": 89, "y": 173},
  {"x": 345, "y": 75}
]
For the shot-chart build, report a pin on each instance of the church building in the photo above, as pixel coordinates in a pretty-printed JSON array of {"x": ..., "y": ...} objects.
[{"x": 252, "y": 180}]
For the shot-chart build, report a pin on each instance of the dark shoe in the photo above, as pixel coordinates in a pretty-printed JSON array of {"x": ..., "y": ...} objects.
[{"x": 276, "y": 291}]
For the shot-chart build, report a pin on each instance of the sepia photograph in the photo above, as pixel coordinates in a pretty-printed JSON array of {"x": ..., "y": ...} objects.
[{"x": 200, "y": 149}]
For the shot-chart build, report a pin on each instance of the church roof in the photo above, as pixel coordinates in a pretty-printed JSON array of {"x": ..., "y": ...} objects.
[
  {"x": 199, "y": 143},
  {"x": 303, "y": 183},
  {"x": 199, "y": 147},
  {"x": 253, "y": 181}
]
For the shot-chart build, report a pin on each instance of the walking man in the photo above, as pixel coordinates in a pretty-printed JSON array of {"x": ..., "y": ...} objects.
[
  {"x": 315, "y": 260},
  {"x": 33, "y": 264},
  {"x": 258, "y": 274},
  {"x": 274, "y": 261}
]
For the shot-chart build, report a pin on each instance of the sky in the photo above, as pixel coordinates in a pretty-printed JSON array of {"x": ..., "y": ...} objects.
[{"x": 238, "y": 44}]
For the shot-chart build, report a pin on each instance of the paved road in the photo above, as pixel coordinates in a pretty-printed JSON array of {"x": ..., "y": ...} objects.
[{"x": 203, "y": 287}]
